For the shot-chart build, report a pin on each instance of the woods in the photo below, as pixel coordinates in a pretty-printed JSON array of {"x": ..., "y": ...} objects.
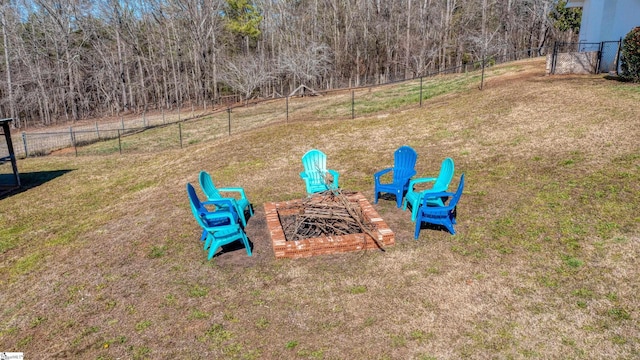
[{"x": 66, "y": 60}]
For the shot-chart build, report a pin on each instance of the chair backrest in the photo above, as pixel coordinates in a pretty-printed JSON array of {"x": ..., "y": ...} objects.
[
  {"x": 458, "y": 194},
  {"x": 445, "y": 176},
  {"x": 314, "y": 160},
  {"x": 196, "y": 205},
  {"x": 404, "y": 161},
  {"x": 315, "y": 165},
  {"x": 209, "y": 189}
]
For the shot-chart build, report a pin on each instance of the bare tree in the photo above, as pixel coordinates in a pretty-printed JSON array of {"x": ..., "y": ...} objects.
[
  {"x": 306, "y": 66},
  {"x": 7, "y": 50},
  {"x": 72, "y": 59},
  {"x": 245, "y": 74}
]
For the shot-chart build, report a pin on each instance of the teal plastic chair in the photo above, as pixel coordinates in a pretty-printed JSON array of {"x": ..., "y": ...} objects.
[
  {"x": 221, "y": 226},
  {"x": 440, "y": 183},
  {"x": 239, "y": 202},
  {"x": 440, "y": 215},
  {"x": 403, "y": 169},
  {"x": 316, "y": 176}
]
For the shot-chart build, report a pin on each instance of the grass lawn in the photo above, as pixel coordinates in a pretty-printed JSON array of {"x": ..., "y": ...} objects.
[{"x": 100, "y": 258}]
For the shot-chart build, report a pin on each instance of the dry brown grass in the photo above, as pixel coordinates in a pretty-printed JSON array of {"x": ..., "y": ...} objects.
[{"x": 104, "y": 261}]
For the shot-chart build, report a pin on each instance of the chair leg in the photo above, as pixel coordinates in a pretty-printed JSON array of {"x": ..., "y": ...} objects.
[
  {"x": 399, "y": 199},
  {"x": 449, "y": 227},
  {"x": 207, "y": 242},
  {"x": 245, "y": 241},
  {"x": 416, "y": 233},
  {"x": 414, "y": 212},
  {"x": 212, "y": 250}
]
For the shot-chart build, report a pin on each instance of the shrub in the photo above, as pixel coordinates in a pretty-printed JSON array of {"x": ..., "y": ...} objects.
[{"x": 631, "y": 55}]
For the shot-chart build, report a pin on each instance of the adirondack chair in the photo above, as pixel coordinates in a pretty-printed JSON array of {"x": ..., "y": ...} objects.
[
  {"x": 439, "y": 215},
  {"x": 441, "y": 183},
  {"x": 316, "y": 176},
  {"x": 221, "y": 226},
  {"x": 403, "y": 169},
  {"x": 239, "y": 202}
]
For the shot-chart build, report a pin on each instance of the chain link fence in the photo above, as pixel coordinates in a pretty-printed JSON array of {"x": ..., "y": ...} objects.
[
  {"x": 176, "y": 130},
  {"x": 584, "y": 58},
  {"x": 43, "y": 143}
]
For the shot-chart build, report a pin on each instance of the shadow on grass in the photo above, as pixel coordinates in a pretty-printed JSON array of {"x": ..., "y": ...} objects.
[
  {"x": 236, "y": 246},
  {"x": 434, "y": 227},
  {"x": 27, "y": 181}
]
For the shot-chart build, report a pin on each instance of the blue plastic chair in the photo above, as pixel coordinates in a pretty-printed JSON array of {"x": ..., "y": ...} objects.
[
  {"x": 403, "y": 169},
  {"x": 440, "y": 215},
  {"x": 221, "y": 227},
  {"x": 440, "y": 184},
  {"x": 316, "y": 176},
  {"x": 213, "y": 193}
]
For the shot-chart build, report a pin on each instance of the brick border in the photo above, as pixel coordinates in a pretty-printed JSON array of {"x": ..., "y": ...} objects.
[{"x": 329, "y": 244}]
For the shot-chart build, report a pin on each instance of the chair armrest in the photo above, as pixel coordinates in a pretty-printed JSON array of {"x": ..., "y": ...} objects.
[
  {"x": 420, "y": 181},
  {"x": 381, "y": 172},
  {"x": 218, "y": 215},
  {"x": 303, "y": 175},
  {"x": 227, "y": 202},
  {"x": 231, "y": 227},
  {"x": 434, "y": 195},
  {"x": 335, "y": 175},
  {"x": 234, "y": 189}
]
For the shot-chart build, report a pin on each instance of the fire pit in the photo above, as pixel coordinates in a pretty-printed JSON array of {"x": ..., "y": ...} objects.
[{"x": 288, "y": 245}]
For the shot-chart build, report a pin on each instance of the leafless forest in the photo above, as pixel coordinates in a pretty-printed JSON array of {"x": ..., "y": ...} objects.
[{"x": 66, "y": 60}]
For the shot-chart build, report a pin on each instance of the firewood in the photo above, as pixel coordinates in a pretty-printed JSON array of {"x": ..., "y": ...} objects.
[{"x": 329, "y": 213}]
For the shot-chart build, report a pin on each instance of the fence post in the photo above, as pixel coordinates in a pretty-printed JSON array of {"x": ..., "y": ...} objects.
[
  {"x": 554, "y": 57},
  {"x": 287, "y": 107},
  {"x": 24, "y": 142},
  {"x": 178, "y": 112},
  {"x": 353, "y": 100},
  {"x": 73, "y": 140},
  {"x": 163, "y": 115},
  {"x": 97, "y": 131},
  {"x": 421, "y": 91},
  {"x": 119, "y": 142},
  {"x": 600, "y": 48},
  {"x": 482, "y": 76},
  {"x": 229, "y": 116},
  {"x": 180, "y": 133},
  {"x": 122, "y": 122},
  {"x": 618, "y": 55},
  {"x": 144, "y": 119}
]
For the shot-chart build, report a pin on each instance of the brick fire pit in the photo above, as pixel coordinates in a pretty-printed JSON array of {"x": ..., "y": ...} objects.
[{"x": 329, "y": 244}]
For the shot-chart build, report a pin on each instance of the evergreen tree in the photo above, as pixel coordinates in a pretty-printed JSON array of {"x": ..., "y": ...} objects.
[
  {"x": 565, "y": 19},
  {"x": 631, "y": 55}
]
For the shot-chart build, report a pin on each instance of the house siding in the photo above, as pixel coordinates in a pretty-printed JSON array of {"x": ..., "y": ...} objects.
[{"x": 608, "y": 20}]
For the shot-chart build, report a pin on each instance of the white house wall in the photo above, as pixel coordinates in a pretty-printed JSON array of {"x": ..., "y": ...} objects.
[
  {"x": 607, "y": 20},
  {"x": 626, "y": 17}
]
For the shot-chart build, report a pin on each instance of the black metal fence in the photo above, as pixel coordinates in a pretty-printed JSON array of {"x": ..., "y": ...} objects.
[
  {"x": 610, "y": 56},
  {"x": 582, "y": 57},
  {"x": 175, "y": 130}
]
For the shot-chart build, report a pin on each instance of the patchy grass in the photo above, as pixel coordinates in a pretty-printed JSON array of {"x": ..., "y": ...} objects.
[{"x": 103, "y": 261}]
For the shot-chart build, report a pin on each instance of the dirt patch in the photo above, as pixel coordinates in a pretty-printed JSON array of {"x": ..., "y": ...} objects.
[{"x": 234, "y": 254}]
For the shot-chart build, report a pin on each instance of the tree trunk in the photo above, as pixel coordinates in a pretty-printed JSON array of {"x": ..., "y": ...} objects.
[{"x": 12, "y": 105}]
